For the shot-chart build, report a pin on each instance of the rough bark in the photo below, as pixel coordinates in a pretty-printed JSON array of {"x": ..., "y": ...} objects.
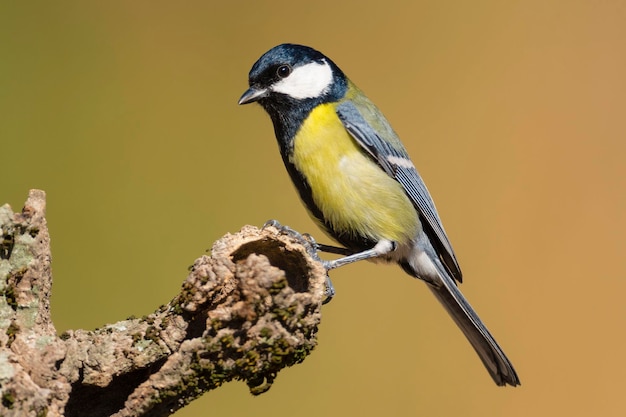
[{"x": 246, "y": 311}]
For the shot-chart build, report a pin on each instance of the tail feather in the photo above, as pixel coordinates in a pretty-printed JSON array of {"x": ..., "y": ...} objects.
[{"x": 490, "y": 353}]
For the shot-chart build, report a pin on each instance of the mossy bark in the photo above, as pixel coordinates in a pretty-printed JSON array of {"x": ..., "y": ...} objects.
[{"x": 245, "y": 312}]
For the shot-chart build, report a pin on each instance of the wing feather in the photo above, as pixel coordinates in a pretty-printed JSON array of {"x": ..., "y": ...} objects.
[{"x": 384, "y": 146}]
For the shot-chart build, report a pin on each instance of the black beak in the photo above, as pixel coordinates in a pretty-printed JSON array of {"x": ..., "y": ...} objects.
[{"x": 253, "y": 94}]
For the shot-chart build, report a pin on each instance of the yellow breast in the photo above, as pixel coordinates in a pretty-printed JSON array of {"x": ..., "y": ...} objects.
[{"x": 353, "y": 192}]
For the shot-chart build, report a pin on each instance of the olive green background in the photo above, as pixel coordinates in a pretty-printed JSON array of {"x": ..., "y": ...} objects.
[{"x": 515, "y": 113}]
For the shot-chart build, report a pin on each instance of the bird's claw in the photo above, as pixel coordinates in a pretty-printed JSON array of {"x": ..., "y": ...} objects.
[
  {"x": 304, "y": 238},
  {"x": 329, "y": 291},
  {"x": 286, "y": 230}
]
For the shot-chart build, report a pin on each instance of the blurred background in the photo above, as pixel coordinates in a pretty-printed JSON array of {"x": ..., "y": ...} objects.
[{"x": 515, "y": 113}]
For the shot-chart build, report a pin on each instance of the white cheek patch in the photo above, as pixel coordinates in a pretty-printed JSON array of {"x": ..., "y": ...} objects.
[{"x": 308, "y": 81}]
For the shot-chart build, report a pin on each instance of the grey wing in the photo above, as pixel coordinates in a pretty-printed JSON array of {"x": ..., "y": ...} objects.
[{"x": 393, "y": 158}]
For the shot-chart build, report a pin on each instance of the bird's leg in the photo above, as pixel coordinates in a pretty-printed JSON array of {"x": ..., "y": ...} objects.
[
  {"x": 334, "y": 249},
  {"x": 383, "y": 247}
]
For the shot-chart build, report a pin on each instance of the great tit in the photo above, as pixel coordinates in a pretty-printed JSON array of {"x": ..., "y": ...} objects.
[{"x": 357, "y": 180}]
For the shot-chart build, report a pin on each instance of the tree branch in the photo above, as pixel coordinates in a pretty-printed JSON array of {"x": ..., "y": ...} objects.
[{"x": 245, "y": 312}]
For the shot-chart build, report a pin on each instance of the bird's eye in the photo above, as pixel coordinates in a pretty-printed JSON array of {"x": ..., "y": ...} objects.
[{"x": 283, "y": 71}]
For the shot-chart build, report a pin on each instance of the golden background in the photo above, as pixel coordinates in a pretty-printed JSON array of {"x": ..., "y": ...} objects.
[{"x": 515, "y": 113}]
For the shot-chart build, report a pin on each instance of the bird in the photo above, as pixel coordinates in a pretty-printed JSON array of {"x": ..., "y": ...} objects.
[{"x": 359, "y": 184}]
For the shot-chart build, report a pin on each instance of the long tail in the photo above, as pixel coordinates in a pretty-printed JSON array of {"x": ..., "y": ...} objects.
[{"x": 490, "y": 353}]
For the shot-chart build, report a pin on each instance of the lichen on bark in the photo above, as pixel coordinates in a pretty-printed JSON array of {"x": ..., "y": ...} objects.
[{"x": 246, "y": 311}]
